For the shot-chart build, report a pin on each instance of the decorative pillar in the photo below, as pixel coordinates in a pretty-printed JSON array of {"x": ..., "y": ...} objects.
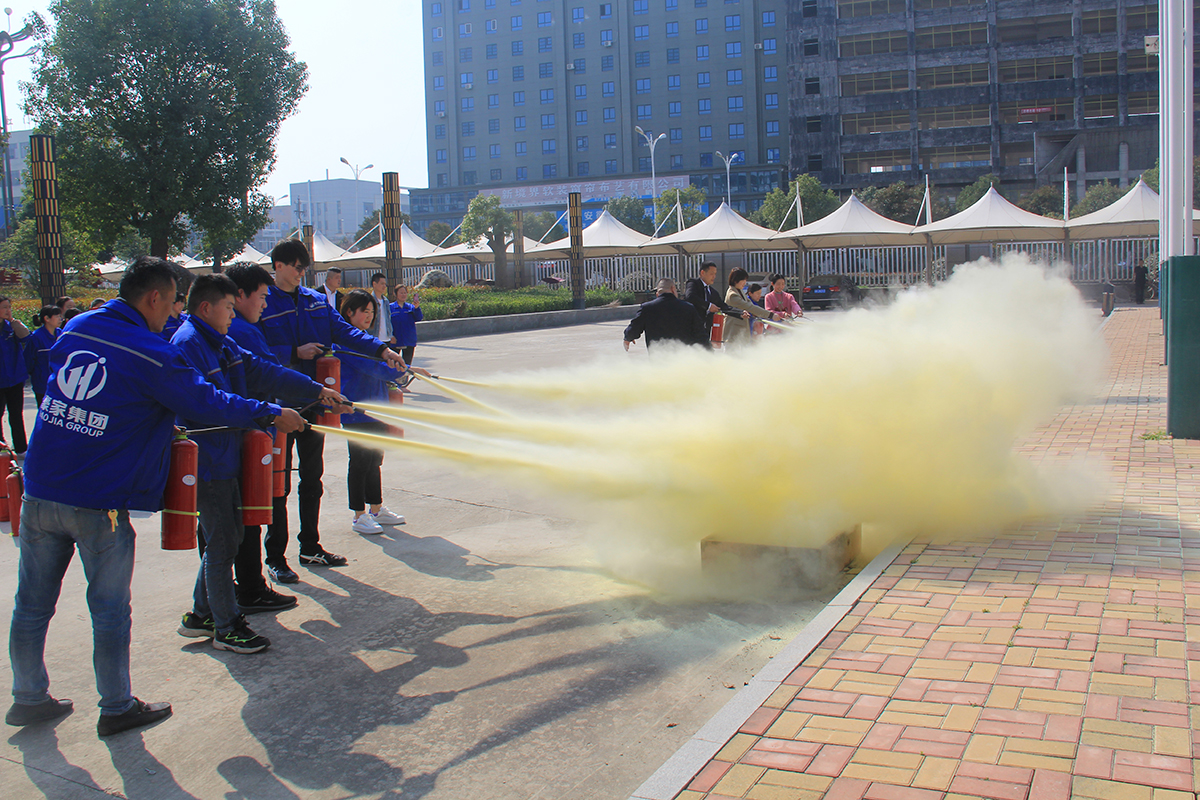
[
  {"x": 52, "y": 283},
  {"x": 390, "y": 222},
  {"x": 519, "y": 249},
  {"x": 575, "y": 224},
  {"x": 310, "y": 274}
]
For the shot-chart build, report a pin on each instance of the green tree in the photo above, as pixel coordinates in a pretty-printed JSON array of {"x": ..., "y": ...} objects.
[
  {"x": 631, "y": 212},
  {"x": 19, "y": 251},
  {"x": 899, "y": 201},
  {"x": 1150, "y": 176},
  {"x": 691, "y": 200},
  {"x": 1045, "y": 200},
  {"x": 1096, "y": 198},
  {"x": 970, "y": 195},
  {"x": 815, "y": 199},
  {"x": 487, "y": 221},
  {"x": 370, "y": 223},
  {"x": 165, "y": 112},
  {"x": 542, "y": 226},
  {"x": 441, "y": 234}
]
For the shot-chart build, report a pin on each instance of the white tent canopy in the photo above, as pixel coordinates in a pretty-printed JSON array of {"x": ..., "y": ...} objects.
[
  {"x": 247, "y": 254},
  {"x": 605, "y": 236},
  {"x": 469, "y": 253},
  {"x": 412, "y": 247},
  {"x": 722, "y": 230},
  {"x": 993, "y": 219},
  {"x": 1135, "y": 214},
  {"x": 852, "y": 225}
]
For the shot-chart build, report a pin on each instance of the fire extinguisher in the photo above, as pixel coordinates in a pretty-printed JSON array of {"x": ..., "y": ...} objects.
[
  {"x": 257, "y": 478},
  {"x": 278, "y": 468},
  {"x": 15, "y": 486},
  {"x": 396, "y": 398},
  {"x": 6, "y": 461},
  {"x": 718, "y": 329},
  {"x": 329, "y": 375},
  {"x": 179, "y": 501}
]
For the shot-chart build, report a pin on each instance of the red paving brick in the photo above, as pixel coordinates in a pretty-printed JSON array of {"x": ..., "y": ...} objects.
[{"x": 1055, "y": 652}]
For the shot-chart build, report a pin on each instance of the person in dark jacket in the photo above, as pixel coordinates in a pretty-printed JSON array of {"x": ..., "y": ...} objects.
[
  {"x": 666, "y": 318},
  {"x": 177, "y": 317},
  {"x": 707, "y": 300},
  {"x": 299, "y": 325},
  {"x": 37, "y": 348},
  {"x": 101, "y": 449},
  {"x": 203, "y": 339},
  {"x": 13, "y": 373}
]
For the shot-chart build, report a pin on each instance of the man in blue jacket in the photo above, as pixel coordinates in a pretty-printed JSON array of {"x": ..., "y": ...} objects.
[
  {"x": 299, "y": 325},
  {"x": 206, "y": 346},
  {"x": 101, "y": 449}
]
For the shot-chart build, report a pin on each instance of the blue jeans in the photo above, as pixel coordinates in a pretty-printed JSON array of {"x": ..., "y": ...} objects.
[
  {"x": 50, "y": 533},
  {"x": 220, "y": 507}
]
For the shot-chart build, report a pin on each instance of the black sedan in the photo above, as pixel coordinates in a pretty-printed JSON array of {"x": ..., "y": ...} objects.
[{"x": 823, "y": 291}]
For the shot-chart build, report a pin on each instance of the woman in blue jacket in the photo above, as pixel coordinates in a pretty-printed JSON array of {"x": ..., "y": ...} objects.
[
  {"x": 37, "y": 348},
  {"x": 365, "y": 379},
  {"x": 13, "y": 373}
]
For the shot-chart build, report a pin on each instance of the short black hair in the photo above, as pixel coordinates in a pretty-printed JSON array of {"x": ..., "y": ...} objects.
[
  {"x": 777, "y": 276},
  {"x": 46, "y": 312},
  {"x": 71, "y": 313},
  {"x": 291, "y": 251},
  {"x": 357, "y": 299},
  {"x": 248, "y": 277},
  {"x": 708, "y": 265},
  {"x": 378, "y": 276},
  {"x": 754, "y": 287},
  {"x": 62, "y": 301},
  {"x": 738, "y": 274},
  {"x": 180, "y": 297},
  {"x": 210, "y": 289},
  {"x": 147, "y": 274}
]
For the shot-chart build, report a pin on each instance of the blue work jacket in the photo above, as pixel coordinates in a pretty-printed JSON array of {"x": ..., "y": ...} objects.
[
  {"x": 103, "y": 432},
  {"x": 288, "y": 323},
  {"x": 404, "y": 323},
  {"x": 37, "y": 357},
  {"x": 12, "y": 357},
  {"x": 232, "y": 369},
  {"x": 363, "y": 379},
  {"x": 172, "y": 324}
]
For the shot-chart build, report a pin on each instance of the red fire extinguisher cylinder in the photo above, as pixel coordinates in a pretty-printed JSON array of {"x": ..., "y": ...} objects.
[
  {"x": 258, "y": 482},
  {"x": 15, "y": 486},
  {"x": 278, "y": 468},
  {"x": 179, "y": 501},
  {"x": 6, "y": 461},
  {"x": 329, "y": 375}
]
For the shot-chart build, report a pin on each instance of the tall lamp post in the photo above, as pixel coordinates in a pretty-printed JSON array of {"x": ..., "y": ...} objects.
[
  {"x": 354, "y": 168},
  {"x": 7, "y": 45},
  {"x": 728, "y": 185},
  {"x": 651, "y": 143}
]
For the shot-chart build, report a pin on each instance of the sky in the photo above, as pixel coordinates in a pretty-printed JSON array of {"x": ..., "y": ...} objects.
[{"x": 365, "y": 99}]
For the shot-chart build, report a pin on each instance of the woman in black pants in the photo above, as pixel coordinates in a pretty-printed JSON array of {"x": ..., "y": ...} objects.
[{"x": 13, "y": 373}]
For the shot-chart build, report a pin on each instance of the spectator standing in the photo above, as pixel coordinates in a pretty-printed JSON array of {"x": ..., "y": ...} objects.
[
  {"x": 700, "y": 293},
  {"x": 333, "y": 282},
  {"x": 13, "y": 373},
  {"x": 37, "y": 348},
  {"x": 666, "y": 318},
  {"x": 381, "y": 328},
  {"x": 405, "y": 315}
]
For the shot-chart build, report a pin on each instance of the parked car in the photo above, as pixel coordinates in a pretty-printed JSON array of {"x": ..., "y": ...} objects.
[{"x": 823, "y": 291}]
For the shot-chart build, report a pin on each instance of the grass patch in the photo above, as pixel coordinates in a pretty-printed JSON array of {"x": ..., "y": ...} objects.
[
  {"x": 485, "y": 301},
  {"x": 1154, "y": 436}
]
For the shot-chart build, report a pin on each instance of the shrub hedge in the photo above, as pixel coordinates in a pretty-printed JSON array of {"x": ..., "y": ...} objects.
[{"x": 486, "y": 301}]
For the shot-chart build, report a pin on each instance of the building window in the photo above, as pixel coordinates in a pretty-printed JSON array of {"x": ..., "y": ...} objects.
[
  {"x": 581, "y": 117},
  {"x": 516, "y": 23},
  {"x": 493, "y": 151},
  {"x": 610, "y": 115},
  {"x": 674, "y": 109},
  {"x": 546, "y": 95},
  {"x": 545, "y": 44},
  {"x": 676, "y": 162},
  {"x": 733, "y": 49},
  {"x": 643, "y": 163},
  {"x": 443, "y": 180},
  {"x": 704, "y": 106},
  {"x": 676, "y": 135},
  {"x": 733, "y": 22},
  {"x": 811, "y": 85},
  {"x": 580, "y": 66},
  {"x": 772, "y": 128},
  {"x": 437, "y": 34},
  {"x": 641, "y": 33},
  {"x": 953, "y": 117},
  {"x": 706, "y": 133},
  {"x": 808, "y": 8},
  {"x": 874, "y": 83},
  {"x": 641, "y": 6},
  {"x": 873, "y": 44},
  {"x": 610, "y": 166},
  {"x": 438, "y": 58},
  {"x": 439, "y": 131},
  {"x": 641, "y": 59},
  {"x": 702, "y": 52},
  {"x": 581, "y": 143},
  {"x": 644, "y": 112},
  {"x": 768, "y": 19},
  {"x": 672, "y": 5},
  {"x": 812, "y": 47},
  {"x": 643, "y": 86},
  {"x": 518, "y": 123},
  {"x": 576, "y": 15},
  {"x": 468, "y": 128},
  {"x": 435, "y": 10},
  {"x": 735, "y": 104},
  {"x": 439, "y": 107},
  {"x": 606, "y": 63},
  {"x": 737, "y": 130},
  {"x": 706, "y": 159},
  {"x": 674, "y": 83},
  {"x": 701, "y": 26},
  {"x": 703, "y": 80},
  {"x": 518, "y": 98},
  {"x": 548, "y": 147},
  {"x": 493, "y": 126},
  {"x": 582, "y": 169},
  {"x": 581, "y": 92},
  {"x": 490, "y": 26},
  {"x": 439, "y": 156},
  {"x": 468, "y": 177},
  {"x": 769, "y": 47},
  {"x": 577, "y": 40},
  {"x": 1031, "y": 69},
  {"x": 522, "y": 173},
  {"x": 814, "y": 162},
  {"x": 606, "y": 38},
  {"x": 957, "y": 157},
  {"x": 493, "y": 76},
  {"x": 521, "y": 149},
  {"x": 972, "y": 74},
  {"x": 464, "y": 5},
  {"x": 468, "y": 153},
  {"x": 464, "y": 30},
  {"x": 672, "y": 55},
  {"x": 610, "y": 141},
  {"x": 466, "y": 79},
  {"x": 733, "y": 77},
  {"x": 1145, "y": 17},
  {"x": 772, "y": 155},
  {"x": 878, "y": 162},
  {"x": 549, "y": 170},
  {"x": 771, "y": 74},
  {"x": 608, "y": 88},
  {"x": 672, "y": 29},
  {"x": 544, "y": 20},
  {"x": 966, "y": 35},
  {"x": 467, "y": 104},
  {"x": 496, "y": 174},
  {"x": 546, "y": 69},
  {"x": 439, "y": 83},
  {"x": 547, "y": 121},
  {"x": 1100, "y": 22},
  {"x": 518, "y": 48},
  {"x": 518, "y": 73},
  {"x": 812, "y": 124},
  {"x": 605, "y": 10},
  {"x": 771, "y": 100}
]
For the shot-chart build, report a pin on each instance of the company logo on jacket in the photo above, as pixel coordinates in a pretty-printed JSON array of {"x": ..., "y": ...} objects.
[{"x": 83, "y": 376}]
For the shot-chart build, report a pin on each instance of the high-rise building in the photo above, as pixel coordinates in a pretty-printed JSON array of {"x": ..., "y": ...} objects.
[
  {"x": 532, "y": 98},
  {"x": 887, "y": 90}
]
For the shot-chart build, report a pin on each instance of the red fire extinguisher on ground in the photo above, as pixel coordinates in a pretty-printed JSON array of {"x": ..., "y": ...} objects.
[
  {"x": 718, "y": 328},
  {"x": 257, "y": 479},
  {"x": 396, "y": 398},
  {"x": 15, "y": 486},
  {"x": 329, "y": 375},
  {"x": 6, "y": 462},
  {"x": 179, "y": 514},
  {"x": 278, "y": 468}
]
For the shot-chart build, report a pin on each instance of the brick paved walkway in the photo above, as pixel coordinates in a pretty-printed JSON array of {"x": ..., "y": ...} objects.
[{"x": 1058, "y": 660}]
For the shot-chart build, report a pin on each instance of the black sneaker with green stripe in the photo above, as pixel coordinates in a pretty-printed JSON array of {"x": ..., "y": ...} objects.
[
  {"x": 195, "y": 626},
  {"x": 240, "y": 639}
]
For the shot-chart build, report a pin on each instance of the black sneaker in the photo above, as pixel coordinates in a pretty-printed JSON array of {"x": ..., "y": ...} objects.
[
  {"x": 44, "y": 711},
  {"x": 140, "y": 715},
  {"x": 322, "y": 558},
  {"x": 195, "y": 626},
  {"x": 266, "y": 599},
  {"x": 241, "y": 639},
  {"x": 280, "y": 572}
]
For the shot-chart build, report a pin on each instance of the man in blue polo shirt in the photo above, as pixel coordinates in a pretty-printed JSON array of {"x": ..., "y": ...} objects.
[
  {"x": 299, "y": 325},
  {"x": 101, "y": 448}
]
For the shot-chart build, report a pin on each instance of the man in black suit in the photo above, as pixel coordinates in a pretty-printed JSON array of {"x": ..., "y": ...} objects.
[
  {"x": 333, "y": 282},
  {"x": 707, "y": 300},
  {"x": 666, "y": 317}
]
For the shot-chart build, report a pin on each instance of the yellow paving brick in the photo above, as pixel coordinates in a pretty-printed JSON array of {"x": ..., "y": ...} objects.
[
  {"x": 1170, "y": 690},
  {"x": 873, "y": 595},
  {"x": 956, "y": 634},
  {"x": 1003, "y": 697},
  {"x": 782, "y": 696},
  {"x": 737, "y": 780},
  {"x": 884, "y": 610},
  {"x": 984, "y": 749},
  {"x": 1058, "y": 622},
  {"x": 982, "y": 673},
  {"x": 787, "y": 725},
  {"x": 762, "y": 791},
  {"x": 858, "y": 676},
  {"x": 961, "y": 718},
  {"x": 918, "y": 707},
  {"x": 796, "y": 780},
  {"x": 1115, "y": 742},
  {"x": 1030, "y": 761},
  {"x": 1040, "y": 747},
  {"x": 736, "y": 747},
  {"x": 1054, "y": 695},
  {"x": 1034, "y": 622},
  {"x": 840, "y": 723},
  {"x": 1079, "y": 658},
  {"x": 935, "y": 773},
  {"x": 1097, "y": 789},
  {"x": 857, "y": 687},
  {"x": 1171, "y": 794},
  {"x": 1046, "y": 707},
  {"x": 1193, "y": 668},
  {"x": 818, "y": 657},
  {"x": 1019, "y": 656},
  {"x": 1125, "y": 644},
  {"x": 828, "y": 736},
  {"x": 825, "y": 679},
  {"x": 998, "y": 636},
  {"x": 922, "y": 720},
  {"x": 1172, "y": 741},
  {"x": 870, "y": 772},
  {"x": 886, "y": 758},
  {"x": 856, "y": 642},
  {"x": 1046, "y": 592},
  {"x": 687, "y": 794}
]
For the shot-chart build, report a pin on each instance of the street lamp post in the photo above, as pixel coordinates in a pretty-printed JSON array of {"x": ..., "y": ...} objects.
[
  {"x": 728, "y": 185},
  {"x": 7, "y": 45},
  {"x": 651, "y": 143},
  {"x": 354, "y": 168}
]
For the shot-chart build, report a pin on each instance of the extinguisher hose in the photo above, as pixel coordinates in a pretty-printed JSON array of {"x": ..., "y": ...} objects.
[{"x": 220, "y": 428}]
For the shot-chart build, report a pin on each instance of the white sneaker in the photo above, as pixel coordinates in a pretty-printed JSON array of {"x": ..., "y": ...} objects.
[
  {"x": 366, "y": 524},
  {"x": 388, "y": 517}
]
